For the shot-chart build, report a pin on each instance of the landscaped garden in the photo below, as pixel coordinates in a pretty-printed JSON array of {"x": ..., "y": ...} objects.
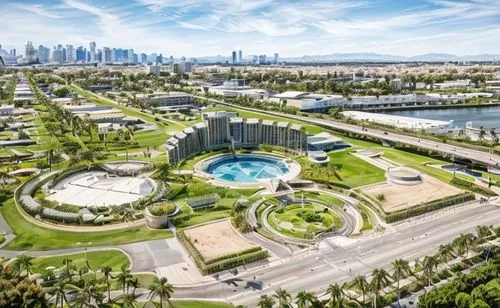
[{"x": 304, "y": 221}]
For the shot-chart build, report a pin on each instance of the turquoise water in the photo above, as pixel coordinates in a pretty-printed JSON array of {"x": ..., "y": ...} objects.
[{"x": 247, "y": 168}]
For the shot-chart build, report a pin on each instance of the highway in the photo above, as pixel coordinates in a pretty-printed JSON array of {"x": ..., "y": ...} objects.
[
  {"x": 475, "y": 155},
  {"x": 317, "y": 268}
]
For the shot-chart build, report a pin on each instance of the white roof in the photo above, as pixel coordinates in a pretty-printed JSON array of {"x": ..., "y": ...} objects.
[{"x": 291, "y": 94}]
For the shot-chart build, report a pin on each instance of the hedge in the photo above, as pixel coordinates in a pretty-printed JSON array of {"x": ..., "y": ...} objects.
[
  {"x": 223, "y": 262},
  {"x": 472, "y": 187}
]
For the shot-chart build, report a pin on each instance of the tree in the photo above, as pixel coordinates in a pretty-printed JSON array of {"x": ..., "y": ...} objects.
[
  {"x": 463, "y": 243},
  {"x": 336, "y": 294},
  {"x": 484, "y": 233},
  {"x": 162, "y": 289},
  {"x": 127, "y": 300},
  {"x": 429, "y": 267},
  {"x": 124, "y": 277},
  {"x": 59, "y": 291},
  {"x": 401, "y": 269},
  {"x": 304, "y": 298},
  {"x": 106, "y": 272},
  {"x": 164, "y": 172},
  {"x": 283, "y": 296},
  {"x": 266, "y": 301},
  {"x": 359, "y": 283},
  {"x": 380, "y": 280},
  {"x": 125, "y": 135},
  {"x": 445, "y": 253},
  {"x": 23, "y": 264}
]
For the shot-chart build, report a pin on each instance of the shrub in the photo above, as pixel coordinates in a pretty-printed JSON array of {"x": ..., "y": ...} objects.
[
  {"x": 472, "y": 187},
  {"x": 161, "y": 210}
]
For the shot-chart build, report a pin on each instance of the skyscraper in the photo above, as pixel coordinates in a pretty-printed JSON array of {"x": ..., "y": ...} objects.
[
  {"x": 262, "y": 59},
  {"x": 107, "y": 55},
  {"x": 92, "y": 52},
  {"x": 99, "y": 55},
  {"x": 81, "y": 54},
  {"x": 240, "y": 56},
  {"x": 43, "y": 54},
  {"x": 144, "y": 58},
  {"x": 70, "y": 54},
  {"x": 235, "y": 60},
  {"x": 130, "y": 56},
  {"x": 276, "y": 58},
  {"x": 29, "y": 52}
]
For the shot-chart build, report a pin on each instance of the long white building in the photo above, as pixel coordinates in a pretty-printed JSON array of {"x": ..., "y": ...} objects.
[{"x": 222, "y": 129}]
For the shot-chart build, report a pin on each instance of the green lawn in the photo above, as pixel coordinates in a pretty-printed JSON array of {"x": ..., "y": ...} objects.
[
  {"x": 114, "y": 258},
  {"x": 322, "y": 197},
  {"x": 343, "y": 168},
  {"x": 202, "y": 216},
  {"x": 32, "y": 237}
]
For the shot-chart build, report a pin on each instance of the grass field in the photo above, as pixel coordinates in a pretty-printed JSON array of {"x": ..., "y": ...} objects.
[
  {"x": 97, "y": 259},
  {"x": 322, "y": 197},
  {"x": 32, "y": 237},
  {"x": 200, "y": 304},
  {"x": 343, "y": 168}
]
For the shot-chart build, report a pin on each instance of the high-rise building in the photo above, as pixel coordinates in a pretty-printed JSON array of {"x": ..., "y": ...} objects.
[
  {"x": 262, "y": 59},
  {"x": 30, "y": 53},
  {"x": 99, "y": 55},
  {"x": 144, "y": 58},
  {"x": 240, "y": 56},
  {"x": 135, "y": 59},
  {"x": 276, "y": 58},
  {"x": 12, "y": 52},
  {"x": 92, "y": 46},
  {"x": 234, "y": 59},
  {"x": 57, "y": 54},
  {"x": 70, "y": 54},
  {"x": 107, "y": 55},
  {"x": 130, "y": 56},
  {"x": 183, "y": 67},
  {"x": 81, "y": 54},
  {"x": 43, "y": 54}
]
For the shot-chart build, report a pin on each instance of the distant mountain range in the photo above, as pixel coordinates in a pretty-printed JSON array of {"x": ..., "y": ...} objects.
[{"x": 369, "y": 57}]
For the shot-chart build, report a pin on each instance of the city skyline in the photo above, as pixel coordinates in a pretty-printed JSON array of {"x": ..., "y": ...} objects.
[{"x": 289, "y": 28}]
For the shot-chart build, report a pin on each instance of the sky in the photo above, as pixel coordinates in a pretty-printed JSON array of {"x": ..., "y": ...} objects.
[{"x": 195, "y": 28}]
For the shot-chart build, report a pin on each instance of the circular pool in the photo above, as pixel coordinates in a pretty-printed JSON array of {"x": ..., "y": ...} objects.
[{"x": 246, "y": 168}]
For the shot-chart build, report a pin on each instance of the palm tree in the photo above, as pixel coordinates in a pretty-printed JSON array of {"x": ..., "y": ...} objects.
[
  {"x": 23, "y": 264},
  {"x": 380, "y": 280},
  {"x": 283, "y": 296},
  {"x": 127, "y": 300},
  {"x": 304, "y": 298},
  {"x": 125, "y": 135},
  {"x": 266, "y": 301},
  {"x": 124, "y": 278},
  {"x": 106, "y": 272},
  {"x": 162, "y": 289},
  {"x": 359, "y": 283},
  {"x": 336, "y": 294},
  {"x": 445, "y": 253},
  {"x": 464, "y": 243},
  {"x": 401, "y": 269},
  {"x": 429, "y": 266},
  {"x": 59, "y": 291},
  {"x": 68, "y": 268},
  {"x": 484, "y": 233}
]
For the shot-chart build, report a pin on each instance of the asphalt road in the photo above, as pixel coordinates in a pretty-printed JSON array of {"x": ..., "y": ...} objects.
[
  {"x": 316, "y": 269},
  {"x": 478, "y": 156}
]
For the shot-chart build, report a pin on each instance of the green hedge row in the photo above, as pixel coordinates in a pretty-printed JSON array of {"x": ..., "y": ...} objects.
[
  {"x": 429, "y": 207},
  {"x": 224, "y": 262},
  {"x": 472, "y": 187}
]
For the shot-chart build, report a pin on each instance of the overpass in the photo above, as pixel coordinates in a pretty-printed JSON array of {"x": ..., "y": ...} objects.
[{"x": 476, "y": 156}]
